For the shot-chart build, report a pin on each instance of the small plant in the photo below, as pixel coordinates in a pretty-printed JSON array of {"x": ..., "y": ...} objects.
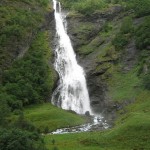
[
  {"x": 146, "y": 80},
  {"x": 127, "y": 25},
  {"x": 120, "y": 41},
  {"x": 46, "y": 130},
  {"x": 142, "y": 35}
]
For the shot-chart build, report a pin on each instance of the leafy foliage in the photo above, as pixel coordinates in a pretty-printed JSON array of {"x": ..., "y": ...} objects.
[
  {"x": 19, "y": 21},
  {"x": 30, "y": 79},
  {"x": 127, "y": 25},
  {"x": 4, "y": 110},
  {"x": 146, "y": 80},
  {"x": 141, "y": 8},
  {"x": 89, "y": 6},
  {"x": 121, "y": 39},
  {"x": 16, "y": 139},
  {"x": 85, "y": 6},
  {"x": 142, "y": 35}
]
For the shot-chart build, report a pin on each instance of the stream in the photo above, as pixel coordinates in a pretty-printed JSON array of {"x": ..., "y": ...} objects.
[{"x": 98, "y": 123}]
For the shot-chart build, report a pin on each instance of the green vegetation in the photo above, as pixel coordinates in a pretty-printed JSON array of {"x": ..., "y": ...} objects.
[
  {"x": 16, "y": 139},
  {"x": 30, "y": 79},
  {"x": 26, "y": 79},
  {"x": 46, "y": 117},
  {"x": 122, "y": 38},
  {"x": 20, "y": 20},
  {"x": 142, "y": 39},
  {"x": 130, "y": 132},
  {"x": 141, "y": 8},
  {"x": 132, "y": 129},
  {"x": 131, "y": 87},
  {"x": 142, "y": 35},
  {"x": 124, "y": 86},
  {"x": 85, "y": 6}
]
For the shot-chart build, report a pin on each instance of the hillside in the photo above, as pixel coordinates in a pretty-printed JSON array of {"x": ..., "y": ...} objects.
[
  {"x": 112, "y": 45},
  {"x": 112, "y": 42},
  {"x": 27, "y": 75}
]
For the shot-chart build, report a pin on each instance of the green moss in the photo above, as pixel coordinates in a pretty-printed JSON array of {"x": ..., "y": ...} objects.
[{"x": 92, "y": 46}]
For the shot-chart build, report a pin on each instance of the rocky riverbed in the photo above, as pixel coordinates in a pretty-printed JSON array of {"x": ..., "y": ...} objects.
[{"x": 97, "y": 123}]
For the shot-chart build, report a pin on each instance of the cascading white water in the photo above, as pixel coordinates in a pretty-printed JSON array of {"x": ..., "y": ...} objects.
[{"x": 71, "y": 93}]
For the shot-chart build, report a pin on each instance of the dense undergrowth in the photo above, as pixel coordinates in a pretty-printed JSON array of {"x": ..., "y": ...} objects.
[
  {"x": 23, "y": 79},
  {"x": 19, "y": 22},
  {"x": 30, "y": 80}
]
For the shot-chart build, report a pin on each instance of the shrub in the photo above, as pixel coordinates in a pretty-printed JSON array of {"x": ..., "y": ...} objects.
[
  {"x": 127, "y": 25},
  {"x": 17, "y": 139},
  {"x": 4, "y": 110},
  {"x": 146, "y": 81},
  {"x": 142, "y": 35},
  {"x": 120, "y": 41},
  {"x": 30, "y": 79},
  {"x": 140, "y": 7}
]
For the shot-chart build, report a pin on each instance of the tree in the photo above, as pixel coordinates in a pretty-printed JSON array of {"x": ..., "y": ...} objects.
[
  {"x": 17, "y": 139},
  {"x": 4, "y": 109}
]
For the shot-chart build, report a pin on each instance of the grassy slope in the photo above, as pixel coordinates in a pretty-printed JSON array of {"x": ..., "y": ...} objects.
[{"x": 46, "y": 117}]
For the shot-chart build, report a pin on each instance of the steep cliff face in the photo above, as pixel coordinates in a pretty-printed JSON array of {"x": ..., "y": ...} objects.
[
  {"x": 88, "y": 42},
  {"x": 92, "y": 38}
]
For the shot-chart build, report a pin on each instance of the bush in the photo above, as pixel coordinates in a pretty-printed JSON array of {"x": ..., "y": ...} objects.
[
  {"x": 17, "y": 139},
  {"x": 142, "y": 35},
  {"x": 127, "y": 25},
  {"x": 146, "y": 81},
  {"x": 30, "y": 79},
  {"x": 89, "y": 6},
  {"x": 4, "y": 110},
  {"x": 140, "y": 7},
  {"x": 120, "y": 41}
]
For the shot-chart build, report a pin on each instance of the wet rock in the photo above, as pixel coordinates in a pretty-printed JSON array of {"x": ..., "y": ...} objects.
[
  {"x": 87, "y": 113},
  {"x": 83, "y": 30}
]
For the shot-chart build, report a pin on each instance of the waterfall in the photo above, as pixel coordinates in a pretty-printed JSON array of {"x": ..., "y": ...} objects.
[{"x": 71, "y": 93}]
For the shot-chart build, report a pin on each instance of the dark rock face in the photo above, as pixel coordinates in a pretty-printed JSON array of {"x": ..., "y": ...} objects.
[
  {"x": 82, "y": 30},
  {"x": 129, "y": 58}
]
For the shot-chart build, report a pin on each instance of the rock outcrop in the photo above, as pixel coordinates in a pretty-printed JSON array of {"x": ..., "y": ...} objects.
[{"x": 89, "y": 43}]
